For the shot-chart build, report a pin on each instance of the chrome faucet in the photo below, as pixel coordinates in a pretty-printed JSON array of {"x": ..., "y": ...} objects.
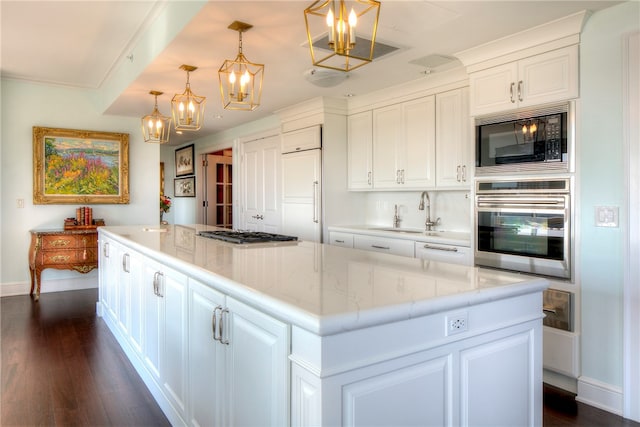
[
  {"x": 424, "y": 197},
  {"x": 396, "y": 218}
]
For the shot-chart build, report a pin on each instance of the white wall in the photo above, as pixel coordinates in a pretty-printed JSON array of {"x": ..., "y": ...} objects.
[
  {"x": 25, "y": 105},
  {"x": 602, "y": 183}
]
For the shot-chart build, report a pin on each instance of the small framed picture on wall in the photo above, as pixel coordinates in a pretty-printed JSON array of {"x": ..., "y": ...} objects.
[
  {"x": 184, "y": 161},
  {"x": 184, "y": 187}
]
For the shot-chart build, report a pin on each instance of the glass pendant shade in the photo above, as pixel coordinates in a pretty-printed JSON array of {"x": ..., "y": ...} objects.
[
  {"x": 155, "y": 126},
  {"x": 188, "y": 108},
  {"x": 342, "y": 33},
  {"x": 240, "y": 79}
]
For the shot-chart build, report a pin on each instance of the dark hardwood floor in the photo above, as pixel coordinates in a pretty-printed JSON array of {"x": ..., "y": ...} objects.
[{"x": 60, "y": 366}]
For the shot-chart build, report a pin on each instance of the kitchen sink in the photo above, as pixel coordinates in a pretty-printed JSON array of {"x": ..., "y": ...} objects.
[{"x": 400, "y": 230}]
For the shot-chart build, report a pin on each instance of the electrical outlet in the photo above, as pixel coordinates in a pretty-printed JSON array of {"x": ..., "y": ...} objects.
[{"x": 456, "y": 323}]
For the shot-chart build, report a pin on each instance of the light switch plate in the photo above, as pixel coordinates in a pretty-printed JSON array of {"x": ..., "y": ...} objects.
[{"x": 607, "y": 216}]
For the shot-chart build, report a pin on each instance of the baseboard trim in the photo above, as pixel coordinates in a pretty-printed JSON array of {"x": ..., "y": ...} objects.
[
  {"x": 51, "y": 285},
  {"x": 601, "y": 395}
]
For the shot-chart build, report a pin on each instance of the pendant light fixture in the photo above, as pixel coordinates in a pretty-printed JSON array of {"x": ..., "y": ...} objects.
[
  {"x": 240, "y": 80},
  {"x": 188, "y": 108},
  {"x": 155, "y": 126},
  {"x": 331, "y": 31}
]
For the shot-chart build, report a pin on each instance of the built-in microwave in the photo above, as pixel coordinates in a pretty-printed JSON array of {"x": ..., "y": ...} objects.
[{"x": 527, "y": 141}]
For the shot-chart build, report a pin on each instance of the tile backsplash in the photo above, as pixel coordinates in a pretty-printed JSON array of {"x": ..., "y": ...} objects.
[{"x": 453, "y": 207}]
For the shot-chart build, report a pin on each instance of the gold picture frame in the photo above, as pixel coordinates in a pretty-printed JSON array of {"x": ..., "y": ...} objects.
[{"x": 80, "y": 166}]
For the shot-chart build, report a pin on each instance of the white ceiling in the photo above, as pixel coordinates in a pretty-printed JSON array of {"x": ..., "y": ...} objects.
[{"x": 79, "y": 43}]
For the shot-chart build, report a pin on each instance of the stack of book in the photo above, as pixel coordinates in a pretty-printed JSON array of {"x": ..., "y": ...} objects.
[{"x": 83, "y": 219}]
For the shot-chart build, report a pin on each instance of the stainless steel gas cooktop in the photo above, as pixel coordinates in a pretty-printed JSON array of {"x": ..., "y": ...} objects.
[{"x": 234, "y": 236}]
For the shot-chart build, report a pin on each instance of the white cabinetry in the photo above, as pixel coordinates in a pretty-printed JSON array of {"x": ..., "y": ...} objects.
[
  {"x": 487, "y": 374},
  {"x": 206, "y": 364},
  {"x": 384, "y": 244},
  {"x": 442, "y": 252},
  {"x": 454, "y": 145},
  {"x": 256, "y": 368},
  {"x": 360, "y": 151},
  {"x": 130, "y": 287},
  {"x": 238, "y": 367},
  {"x": 339, "y": 238},
  {"x": 165, "y": 330},
  {"x": 539, "y": 79},
  {"x": 404, "y": 145}
]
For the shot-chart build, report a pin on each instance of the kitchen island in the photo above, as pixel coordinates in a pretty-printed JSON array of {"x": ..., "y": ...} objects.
[{"x": 300, "y": 333}]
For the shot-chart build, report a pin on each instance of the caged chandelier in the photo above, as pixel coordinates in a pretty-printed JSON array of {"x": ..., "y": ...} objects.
[
  {"x": 155, "y": 126},
  {"x": 240, "y": 80},
  {"x": 187, "y": 108},
  {"x": 331, "y": 31}
]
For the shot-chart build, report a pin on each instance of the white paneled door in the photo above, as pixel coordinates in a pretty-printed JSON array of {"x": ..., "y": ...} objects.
[{"x": 261, "y": 183}]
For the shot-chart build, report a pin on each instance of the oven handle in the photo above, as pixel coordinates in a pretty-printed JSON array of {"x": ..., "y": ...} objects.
[{"x": 522, "y": 200}]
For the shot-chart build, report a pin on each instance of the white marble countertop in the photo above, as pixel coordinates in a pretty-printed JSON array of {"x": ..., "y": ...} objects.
[
  {"x": 322, "y": 288},
  {"x": 420, "y": 235}
]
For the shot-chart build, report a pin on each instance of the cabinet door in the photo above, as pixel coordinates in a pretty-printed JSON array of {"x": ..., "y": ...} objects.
[
  {"x": 303, "y": 139},
  {"x": 133, "y": 285},
  {"x": 493, "y": 89},
  {"x": 387, "y": 139},
  {"x": 257, "y": 368},
  {"x": 206, "y": 357},
  {"x": 108, "y": 278},
  {"x": 129, "y": 290},
  {"x": 261, "y": 185},
  {"x": 360, "y": 154},
  {"x": 453, "y": 142},
  {"x": 153, "y": 318},
  {"x": 173, "y": 362},
  {"x": 552, "y": 76},
  {"x": 417, "y": 154},
  {"x": 506, "y": 374}
]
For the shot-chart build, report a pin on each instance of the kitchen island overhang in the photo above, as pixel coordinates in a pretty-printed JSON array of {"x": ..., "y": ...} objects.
[{"x": 354, "y": 315}]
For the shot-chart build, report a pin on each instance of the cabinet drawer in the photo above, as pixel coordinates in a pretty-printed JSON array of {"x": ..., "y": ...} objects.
[
  {"x": 384, "y": 244},
  {"x": 69, "y": 241},
  {"x": 341, "y": 239},
  {"x": 446, "y": 253}
]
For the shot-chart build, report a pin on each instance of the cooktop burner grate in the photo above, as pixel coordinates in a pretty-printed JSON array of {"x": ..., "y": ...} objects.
[{"x": 245, "y": 236}]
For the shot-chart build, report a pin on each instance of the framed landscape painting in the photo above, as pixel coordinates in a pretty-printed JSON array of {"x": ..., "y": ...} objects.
[{"x": 80, "y": 166}]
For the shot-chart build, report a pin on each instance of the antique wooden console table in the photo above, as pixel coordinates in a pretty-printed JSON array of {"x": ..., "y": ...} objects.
[{"x": 61, "y": 249}]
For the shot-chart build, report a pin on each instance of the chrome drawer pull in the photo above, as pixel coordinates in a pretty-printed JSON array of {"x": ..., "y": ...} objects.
[
  {"x": 440, "y": 248},
  {"x": 380, "y": 247}
]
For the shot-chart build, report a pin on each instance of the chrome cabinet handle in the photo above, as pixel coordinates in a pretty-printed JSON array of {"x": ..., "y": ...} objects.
[
  {"x": 401, "y": 176},
  {"x": 339, "y": 241},
  {"x": 105, "y": 249},
  {"x": 464, "y": 173},
  {"x": 125, "y": 263},
  {"x": 381, "y": 247},
  {"x": 213, "y": 323},
  {"x": 156, "y": 283},
  {"x": 369, "y": 178},
  {"x": 440, "y": 248},
  {"x": 511, "y": 88},
  {"x": 458, "y": 173},
  {"x": 315, "y": 202},
  {"x": 223, "y": 340},
  {"x": 520, "y": 90},
  {"x": 258, "y": 217}
]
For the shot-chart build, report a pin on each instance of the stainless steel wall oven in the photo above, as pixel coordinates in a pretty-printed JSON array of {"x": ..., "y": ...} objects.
[{"x": 524, "y": 225}]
